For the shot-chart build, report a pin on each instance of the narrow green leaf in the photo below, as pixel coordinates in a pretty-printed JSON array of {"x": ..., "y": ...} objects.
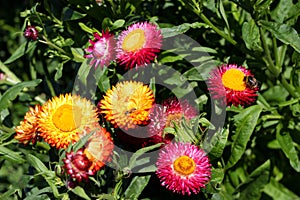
[
  {"x": 176, "y": 30},
  {"x": 251, "y": 36},
  {"x": 9, "y": 73},
  {"x": 138, "y": 153},
  {"x": 283, "y": 32},
  {"x": 20, "y": 51},
  {"x": 37, "y": 163},
  {"x": 13, "y": 92},
  {"x": 223, "y": 13},
  {"x": 79, "y": 191},
  {"x": 83, "y": 72},
  {"x": 245, "y": 123},
  {"x": 255, "y": 182},
  {"x": 218, "y": 142},
  {"x": 70, "y": 14},
  {"x": 77, "y": 54},
  {"x": 136, "y": 187},
  {"x": 117, "y": 24},
  {"x": 11, "y": 155},
  {"x": 286, "y": 143},
  {"x": 86, "y": 28},
  {"x": 278, "y": 192}
]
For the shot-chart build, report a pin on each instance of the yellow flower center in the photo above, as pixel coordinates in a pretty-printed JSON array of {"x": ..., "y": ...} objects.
[
  {"x": 234, "y": 79},
  {"x": 184, "y": 165},
  {"x": 67, "y": 117},
  {"x": 134, "y": 40}
]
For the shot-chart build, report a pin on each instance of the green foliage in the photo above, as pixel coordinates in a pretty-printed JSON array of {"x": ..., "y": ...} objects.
[{"x": 253, "y": 150}]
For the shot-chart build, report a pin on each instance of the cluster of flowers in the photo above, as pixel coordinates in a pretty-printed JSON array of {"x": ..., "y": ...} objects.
[{"x": 182, "y": 167}]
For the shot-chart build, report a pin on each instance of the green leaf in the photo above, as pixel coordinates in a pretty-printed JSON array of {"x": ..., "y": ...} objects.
[
  {"x": 136, "y": 187},
  {"x": 84, "y": 71},
  {"x": 20, "y": 51},
  {"x": 138, "y": 153},
  {"x": 223, "y": 14},
  {"x": 9, "y": 73},
  {"x": 283, "y": 32},
  {"x": 286, "y": 143},
  {"x": 176, "y": 30},
  {"x": 218, "y": 142},
  {"x": 77, "y": 54},
  {"x": 251, "y": 36},
  {"x": 118, "y": 24},
  {"x": 37, "y": 163},
  {"x": 79, "y": 191},
  {"x": 70, "y": 14},
  {"x": 245, "y": 123},
  {"x": 83, "y": 140},
  {"x": 255, "y": 182},
  {"x": 278, "y": 192},
  {"x": 11, "y": 155},
  {"x": 86, "y": 28},
  {"x": 13, "y": 92}
]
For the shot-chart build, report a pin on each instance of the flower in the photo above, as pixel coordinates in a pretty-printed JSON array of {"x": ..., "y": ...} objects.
[
  {"x": 27, "y": 130},
  {"x": 98, "y": 148},
  {"x": 171, "y": 111},
  {"x": 63, "y": 119},
  {"x": 127, "y": 104},
  {"x": 138, "y": 45},
  {"x": 102, "y": 49},
  {"x": 77, "y": 165},
  {"x": 31, "y": 33},
  {"x": 230, "y": 83},
  {"x": 183, "y": 168}
]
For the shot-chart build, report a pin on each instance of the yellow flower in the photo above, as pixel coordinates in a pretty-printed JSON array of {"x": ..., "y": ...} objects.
[
  {"x": 63, "y": 119},
  {"x": 27, "y": 131},
  {"x": 127, "y": 104}
]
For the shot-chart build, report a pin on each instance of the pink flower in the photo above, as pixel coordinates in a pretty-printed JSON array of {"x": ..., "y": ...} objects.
[
  {"x": 102, "y": 49},
  {"x": 183, "y": 168},
  {"x": 233, "y": 84},
  {"x": 138, "y": 45},
  {"x": 31, "y": 33},
  {"x": 162, "y": 116}
]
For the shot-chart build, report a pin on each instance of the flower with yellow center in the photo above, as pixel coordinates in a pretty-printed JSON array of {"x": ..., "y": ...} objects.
[
  {"x": 138, "y": 45},
  {"x": 27, "y": 130},
  {"x": 127, "y": 104},
  {"x": 229, "y": 84},
  {"x": 183, "y": 168},
  {"x": 63, "y": 119}
]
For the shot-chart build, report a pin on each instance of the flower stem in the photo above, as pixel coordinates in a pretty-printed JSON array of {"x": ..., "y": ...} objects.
[
  {"x": 289, "y": 87},
  {"x": 221, "y": 33},
  {"x": 46, "y": 41},
  {"x": 269, "y": 60},
  {"x": 48, "y": 79}
]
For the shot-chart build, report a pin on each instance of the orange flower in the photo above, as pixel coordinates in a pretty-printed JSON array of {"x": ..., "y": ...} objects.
[
  {"x": 63, "y": 119},
  {"x": 127, "y": 104},
  {"x": 27, "y": 131},
  {"x": 98, "y": 148}
]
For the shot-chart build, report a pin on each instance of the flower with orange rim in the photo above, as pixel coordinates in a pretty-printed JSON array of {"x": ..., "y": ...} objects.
[
  {"x": 127, "y": 104},
  {"x": 228, "y": 83},
  {"x": 183, "y": 168},
  {"x": 99, "y": 148},
  {"x": 27, "y": 130},
  {"x": 138, "y": 45},
  {"x": 63, "y": 119}
]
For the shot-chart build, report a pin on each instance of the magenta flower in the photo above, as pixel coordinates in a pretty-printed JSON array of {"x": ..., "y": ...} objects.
[
  {"x": 183, "y": 168},
  {"x": 102, "y": 49},
  {"x": 138, "y": 45},
  {"x": 234, "y": 84},
  {"x": 162, "y": 116},
  {"x": 31, "y": 33}
]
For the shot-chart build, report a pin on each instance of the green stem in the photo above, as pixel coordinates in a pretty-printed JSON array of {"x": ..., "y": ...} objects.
[
  {"x": 289, "y": 87},
  {"x": 275, "y": 52},
  {"x": 46, "y": 41},
  {"x": 221, "y": 33},
  {"x": 269, "y": 60},
  {"x": 48, "y": 79}
]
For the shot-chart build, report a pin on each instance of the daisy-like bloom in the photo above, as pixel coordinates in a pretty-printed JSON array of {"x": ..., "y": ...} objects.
[
  {"x": 161, "y": 116},
  {"x": 183, "y": 168},
  {"x": 99, "y": 148},
  {"x": 78, "y": 166},
  {"x": 231, "y": 83},
  {"x": 27, "y": 130},
  {"x": 127, "y": 104},
  {"x": 31, "y": 33},
  {"x": 138, "y": 45},
  {"x": 102, "y": 49},
  {"x": 63, "y": 119}
]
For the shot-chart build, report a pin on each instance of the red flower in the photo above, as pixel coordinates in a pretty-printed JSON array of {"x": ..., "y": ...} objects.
[{"x": 31, "y": 33}]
